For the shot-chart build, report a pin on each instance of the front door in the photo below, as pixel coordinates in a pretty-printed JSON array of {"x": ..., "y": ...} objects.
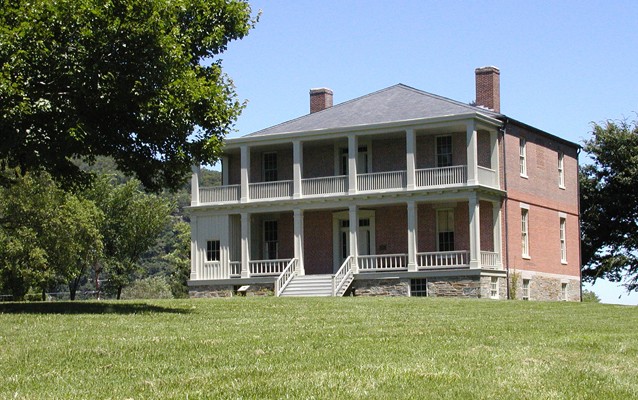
[{"x": 365, "y": 239}]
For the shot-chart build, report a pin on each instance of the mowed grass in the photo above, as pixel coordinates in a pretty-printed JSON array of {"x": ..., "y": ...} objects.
[{"x": 345, "y": 348}]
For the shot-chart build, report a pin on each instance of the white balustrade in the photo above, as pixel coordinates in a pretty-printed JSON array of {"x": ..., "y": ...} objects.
[
  {"x": 381, "y": 180},
  {"x": 286, "y": 276},
  {"x": 267, "y": 267},
  {"x": 487, "y": 177},
  {"x": 235, "y": 269},
  {"x": 219, "y": 194},
  {"x": 383, "y": 262},
  {"x": 442, "y": 176},
  {"x": 340, "y": 277},
  {"x": 270, "y": 190},
  {"x": 443, "y": 259},
  {"x": 490, "y": 260},
  {"x": 324, "y": 185},
  {"x": 213, "y": 270}
]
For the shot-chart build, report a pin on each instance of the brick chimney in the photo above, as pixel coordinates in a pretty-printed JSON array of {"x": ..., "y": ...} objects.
[
  {"x": 488, "y": 88},
  {"x": 320, "y": 99}
]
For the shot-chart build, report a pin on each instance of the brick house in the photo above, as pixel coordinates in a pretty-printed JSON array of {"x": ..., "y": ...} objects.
[{"x": 398, "y": 192}]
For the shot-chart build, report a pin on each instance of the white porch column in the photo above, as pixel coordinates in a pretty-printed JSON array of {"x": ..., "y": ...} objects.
[
  {"x": 412, "y": 235},
  {"x": 498, "y": 238},
  {"x": 472, "y": 153},
  {"x": 195, "y": 266},
  {"x": 494, "y": 156},
  {"x": 353, "y": 151},
  {"x": 475, "y": 231},
  {"x": 195, "y": 185},
  {"x": 225, "y": 179},
  {"x": 297, "y": 160},
  {"x": 245, "y": 245},
  {"x": 410, "y": 147},
  {"x": 298, "y": 232},
  {"x": 354, "y": 227},
  {"x": 245, "y": 173}
]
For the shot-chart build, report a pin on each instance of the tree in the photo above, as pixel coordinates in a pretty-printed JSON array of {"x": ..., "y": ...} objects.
[
  {"x": 590, "y": 297},
  {"x": 138, "y": 80},
  {"x": 609, "y": 204},
  {"x": 132, "y": 222}
]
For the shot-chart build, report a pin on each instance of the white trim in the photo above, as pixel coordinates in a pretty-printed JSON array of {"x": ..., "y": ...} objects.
[
  {"x": 338, "y": 216},
  {"x": 524, "y": 205}
]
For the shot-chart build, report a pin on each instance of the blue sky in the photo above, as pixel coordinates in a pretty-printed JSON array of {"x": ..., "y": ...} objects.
[{"x": 563, "y": 64}]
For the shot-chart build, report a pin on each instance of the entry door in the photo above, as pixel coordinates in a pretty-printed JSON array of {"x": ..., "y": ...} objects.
[{"x": 364, "y": 237}]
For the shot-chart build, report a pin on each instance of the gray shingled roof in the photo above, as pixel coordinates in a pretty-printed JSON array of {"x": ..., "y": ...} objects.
[{"x": 392, "y": 104}]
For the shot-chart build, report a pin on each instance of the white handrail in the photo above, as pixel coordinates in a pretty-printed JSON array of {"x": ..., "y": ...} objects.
[
  {"x": 324, "y": 185},
  {"x": 490, "y": 259},
  {"x": 219, "y": 194},
  {"x": 267, "y": 267},
  {"x": 381, "y": 180},
  {"x": 235, "y": 269},
  {"x": 340, "y": 277},
  {"x": 213, "y": 270},
  {"x": 439, "y": 259},
  {"x": 285, "y": 277},
  {"x": 270, "y": 190},
  {"x": 441, "y": 176},
  {"x": 383, "y": 262}
]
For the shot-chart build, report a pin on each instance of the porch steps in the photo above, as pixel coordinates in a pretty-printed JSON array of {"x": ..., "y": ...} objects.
[{"x": 309, "y": 286}]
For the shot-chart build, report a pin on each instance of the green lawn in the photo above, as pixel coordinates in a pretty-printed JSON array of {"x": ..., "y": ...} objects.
[{"x": 346, "y": 348}]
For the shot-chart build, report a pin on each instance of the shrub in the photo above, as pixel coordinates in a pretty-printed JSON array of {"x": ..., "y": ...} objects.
[{"x": 155, "y": 287}]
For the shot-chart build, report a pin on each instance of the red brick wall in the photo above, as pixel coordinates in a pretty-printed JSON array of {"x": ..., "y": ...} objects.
[
  {"x": 540, "y": 190},
  {"x": 483, "y": 149},
  {"x": 391, "y": 226},
  {"x": 427, "y": 227},
  {"x": 426, "y": 150},
  {"x": 284, "y": 164},
  {"x": 318, "y": 160},
  {"x": 286, "y": 235},
  {"x": 487, "y": 231},
  {"x": 318, "y": 242},
  {"x": 234, "y": 169},
  {"x": 388, "y": 155}
]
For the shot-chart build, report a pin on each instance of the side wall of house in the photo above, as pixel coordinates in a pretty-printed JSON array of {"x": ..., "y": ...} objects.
[{"x": 545, "y": 201}]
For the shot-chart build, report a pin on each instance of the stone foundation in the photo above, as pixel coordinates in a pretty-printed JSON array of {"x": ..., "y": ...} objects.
[
  {"x": 381, "y": 287},
  {"x": 547, "y": 288},
  {"x": 462, "y": 286},
  {"x": 213, "y": 291}
]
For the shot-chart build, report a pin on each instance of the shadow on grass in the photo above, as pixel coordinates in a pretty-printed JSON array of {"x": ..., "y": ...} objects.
[{"x": 89, "y": 307}]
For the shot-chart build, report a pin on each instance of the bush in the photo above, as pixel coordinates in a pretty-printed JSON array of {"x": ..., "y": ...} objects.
[
  {"x": 590, "y": 297},
  {"x": 155, "y": 287}
]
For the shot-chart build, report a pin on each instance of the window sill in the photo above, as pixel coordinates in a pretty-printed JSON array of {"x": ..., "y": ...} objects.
[
  {"x": 526, "y": 257},
  {"x": 524, "y": 176},
  {"x": 562, "y": 187},
  {"x": 563, "y": 262}
]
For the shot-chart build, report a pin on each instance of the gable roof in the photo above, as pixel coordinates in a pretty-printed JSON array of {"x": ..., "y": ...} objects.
[{"x": 395, "y": 103}]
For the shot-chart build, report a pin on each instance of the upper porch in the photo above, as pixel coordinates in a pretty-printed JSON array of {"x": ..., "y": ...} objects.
[{"x": 450, "y": 154}]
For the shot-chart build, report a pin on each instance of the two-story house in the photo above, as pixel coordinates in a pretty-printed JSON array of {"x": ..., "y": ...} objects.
[{"x": 398, "y": 192}]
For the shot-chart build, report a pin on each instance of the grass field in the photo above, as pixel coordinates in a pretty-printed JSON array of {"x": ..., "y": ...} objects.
[{"x": 346, "y": 348}]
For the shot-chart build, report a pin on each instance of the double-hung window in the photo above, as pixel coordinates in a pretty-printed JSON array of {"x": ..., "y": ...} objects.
[
  {"x": 525, "y": 289},
  {"x": 561, "y": 170},
  {"x": 445, "y": 230},
  {"x": 525, "y": 232},
  {"x": 270, "y": 240},
  {"x": 212, "y": 250},
  {"x": 443, "y": 151},
  {"x": 563, "y": 242},
  {"x": 270, "y": 167},
  {"x": 494, "y": 288},
  {"x": 522, "y": 149}
]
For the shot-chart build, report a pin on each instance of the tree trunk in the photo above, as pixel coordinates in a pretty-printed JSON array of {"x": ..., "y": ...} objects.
[
  {"x": 72, "y": 290},
  {"x": 119, "y": 292},
  {"x": 44, "y": 295}
]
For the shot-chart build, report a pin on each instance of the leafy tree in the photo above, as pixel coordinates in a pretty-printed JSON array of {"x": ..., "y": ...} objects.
[
  {"x": 590, "y": 297},
  {"x": 133, "y": 220},
  {"x": 138, "y": 80},
  {"x": 609, "y": 204},
  {"x": 179, "y": 259}
]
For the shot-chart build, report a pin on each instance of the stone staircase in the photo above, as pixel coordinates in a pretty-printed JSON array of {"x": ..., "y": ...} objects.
[{"x": 311, "y": 285}]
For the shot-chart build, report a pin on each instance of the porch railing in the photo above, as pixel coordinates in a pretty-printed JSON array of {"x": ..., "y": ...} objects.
[
  {"x": 286, "y": 276},
  {"x": 490, "y": 259},
  {"x": 219, "y": 194},
  {"x": 342, "y": 275},
  {"x": 235, "y": 269},
  {"x": 324, "y": 185},
  {"x": 213, "y": 270},
  {"x": 270, "y": 190},
  {"x": 383, "y": 262},
  {"x": 381, "y": 180},
  {"x": 441, "y": 176},
  {"x": 267, "y": 267},
  {"x": 443, "y": 259},
  {"x": 487, "y": 177}
]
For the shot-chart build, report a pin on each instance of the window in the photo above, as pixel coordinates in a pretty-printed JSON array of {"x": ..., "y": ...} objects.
[
  {"x": 212, "y": 250},
  {"x": 270, "y": 167},
  {"x": 563, "y": 244},
  {"x": 525, "y": 232},
  {"x": 418, "y": 288},
  {"x": 362, "y": 161},
  {"x": 445, "y": 230},
  {"x": 270, "y": 240},
  {"x": 522, "y": 144},
  {"x": 494, "y": 288},
  {"x": 525, "y": 289},
  {"x": 561, "y": 170},
  {"x": 443, "y": 151},
  {"x": 563, "y": 291}
]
